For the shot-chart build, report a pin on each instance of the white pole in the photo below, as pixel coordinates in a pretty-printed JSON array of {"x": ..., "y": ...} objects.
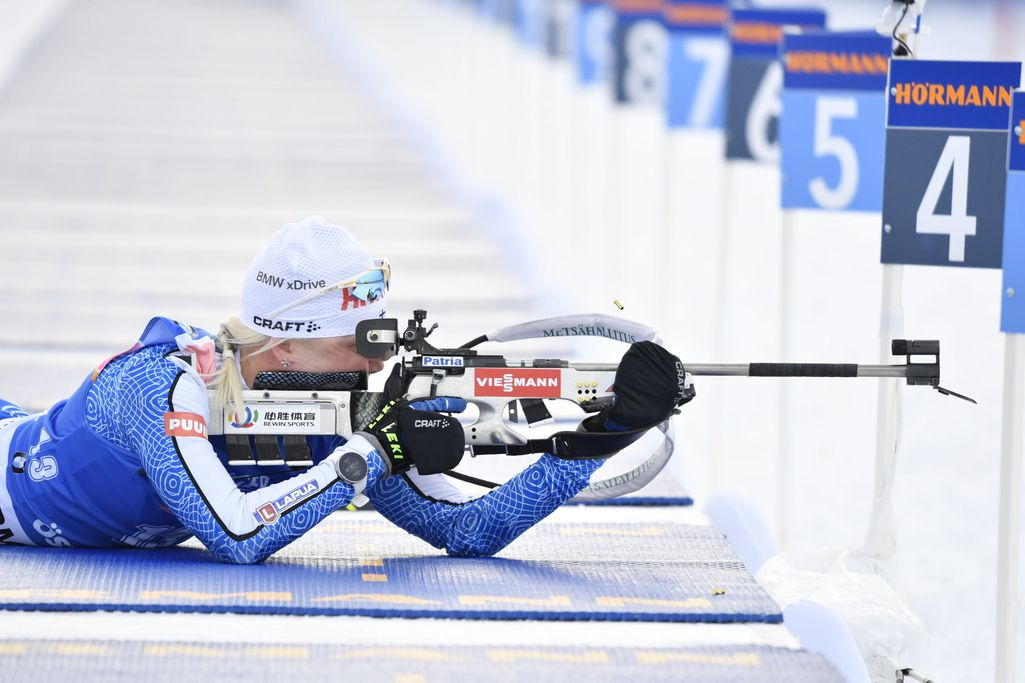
[
  {"x": 590, "y": 161},
  {"x": 637, "y": 141},
  {"x": 614, "y": 198},
  {"x": 881, "y": 539},
  {"x": 785, "y": 461},
  {"x": 1009, "y": 531},
  {"x": 639, "y": 159},
  {"x": 665, "y": 260},
  {"x": 684, "y": 294},
  {"x": 555, "y": 179},
  {"x": 721, "y": 320},
  {"x": 591, "y": 189}
]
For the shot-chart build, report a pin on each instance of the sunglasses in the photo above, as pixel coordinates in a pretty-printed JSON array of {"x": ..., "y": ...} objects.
[{"x": 368, "y": 286}]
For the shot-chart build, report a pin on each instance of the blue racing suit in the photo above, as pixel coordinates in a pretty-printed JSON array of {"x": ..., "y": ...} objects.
[{"x": 126, "y": 461}]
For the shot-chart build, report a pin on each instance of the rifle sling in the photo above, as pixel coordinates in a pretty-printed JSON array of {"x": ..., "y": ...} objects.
[{"x": 568, "y": 445}]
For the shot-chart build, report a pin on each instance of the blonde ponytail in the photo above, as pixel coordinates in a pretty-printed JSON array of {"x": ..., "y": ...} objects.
[{"x": 237, "y": 342}]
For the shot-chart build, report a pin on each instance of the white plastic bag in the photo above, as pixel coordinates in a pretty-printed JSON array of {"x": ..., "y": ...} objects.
[{"x": 854, "y": 588}]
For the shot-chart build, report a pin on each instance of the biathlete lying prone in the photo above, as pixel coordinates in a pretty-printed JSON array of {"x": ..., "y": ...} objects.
[{"x": 126, "y": 460}]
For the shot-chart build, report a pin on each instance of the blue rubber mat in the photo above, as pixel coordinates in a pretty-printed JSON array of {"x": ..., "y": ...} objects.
[
  {"x": 347, "y": 565},
  {"x": 39, "y": 661}
]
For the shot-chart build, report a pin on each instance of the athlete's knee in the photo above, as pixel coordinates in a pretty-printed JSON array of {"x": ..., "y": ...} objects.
[
  {"x": 471, "y": 535},
  {"x": 474, "y": 547}
]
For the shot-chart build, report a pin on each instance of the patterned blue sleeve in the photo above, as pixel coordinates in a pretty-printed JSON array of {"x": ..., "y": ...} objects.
[
  {"x": 482, "y": 527},
  {"x": 186, "y": 473}
]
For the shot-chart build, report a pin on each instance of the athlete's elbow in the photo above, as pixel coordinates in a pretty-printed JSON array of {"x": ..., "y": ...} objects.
[{"x": 237, "y": 554}]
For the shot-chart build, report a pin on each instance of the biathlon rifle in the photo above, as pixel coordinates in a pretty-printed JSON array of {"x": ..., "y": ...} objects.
[{"x": 294, "y": 405}]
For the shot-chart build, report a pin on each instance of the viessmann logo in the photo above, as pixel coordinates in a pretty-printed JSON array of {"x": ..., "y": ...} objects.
[{"x": 510, "y": 382}]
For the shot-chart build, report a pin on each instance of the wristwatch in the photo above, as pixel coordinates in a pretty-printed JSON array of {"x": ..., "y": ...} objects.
[{"x": 352, "y": 469}]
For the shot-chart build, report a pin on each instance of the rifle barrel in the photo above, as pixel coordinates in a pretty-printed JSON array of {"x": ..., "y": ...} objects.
[
  {"x": 796, "y": 370},
  {"x": 772, "y": 369}
]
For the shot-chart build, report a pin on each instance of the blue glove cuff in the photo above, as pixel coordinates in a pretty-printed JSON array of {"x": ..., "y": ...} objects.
[{"x": 440, "y": 404}]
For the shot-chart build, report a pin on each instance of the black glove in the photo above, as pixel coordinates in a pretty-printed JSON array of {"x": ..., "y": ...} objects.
[
  {"x": 649, "y": 385},
  {"x": 405, "y": 436}
]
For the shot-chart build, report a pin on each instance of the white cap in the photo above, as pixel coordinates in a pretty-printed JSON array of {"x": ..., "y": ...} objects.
[{"x": 301, "y": 259}]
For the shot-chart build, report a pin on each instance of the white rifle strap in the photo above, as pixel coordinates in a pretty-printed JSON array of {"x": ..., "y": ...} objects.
[
  {"x": 608, "y": 327},
  {"x": 578, "y": 325},
  {"x": 637, "y": 478}
]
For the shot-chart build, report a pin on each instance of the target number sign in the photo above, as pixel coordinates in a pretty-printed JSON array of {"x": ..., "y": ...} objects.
[
  {"x": 529, "y": 23},
  {"x": 592, "y": 41},
  {"x": 558, "y": 20},
  {"x": 756, "y": 79},
  {"x": 698, "y": 59},
  {"x": 945, "y": 173},
  {"x": 639, "y": 45},
  {"x": 832, "y": 129},
  {"x": 1012, "y": 316}
]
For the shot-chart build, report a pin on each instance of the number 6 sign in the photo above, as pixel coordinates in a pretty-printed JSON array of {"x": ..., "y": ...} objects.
[
  {"x": 755, "y": 80},
  {"x": 945, "y": 170}
]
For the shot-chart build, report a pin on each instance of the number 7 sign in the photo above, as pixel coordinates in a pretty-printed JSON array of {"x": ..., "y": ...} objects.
[
  {"x": 945, "y": 171},
  {"x": 699, "y": 56}
]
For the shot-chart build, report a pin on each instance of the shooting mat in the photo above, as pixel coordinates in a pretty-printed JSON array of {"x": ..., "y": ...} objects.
[
  {"x": 39, "y": 661},
  {"x": 359, "y": 564}
]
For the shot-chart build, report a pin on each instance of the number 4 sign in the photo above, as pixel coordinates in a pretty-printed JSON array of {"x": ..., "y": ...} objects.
[{"x": 945, "y": 168}]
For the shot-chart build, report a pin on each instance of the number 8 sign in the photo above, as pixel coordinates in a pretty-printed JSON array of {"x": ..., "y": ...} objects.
[
  {"x": 639, "y": 44},
  {"x": 945, "y": 169}
]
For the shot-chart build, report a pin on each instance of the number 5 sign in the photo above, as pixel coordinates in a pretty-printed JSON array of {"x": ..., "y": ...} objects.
[
  {"x": 832, "y": 131},
  {"x": 945, "y": 170},
  {"x": 755, "y": 79}
]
